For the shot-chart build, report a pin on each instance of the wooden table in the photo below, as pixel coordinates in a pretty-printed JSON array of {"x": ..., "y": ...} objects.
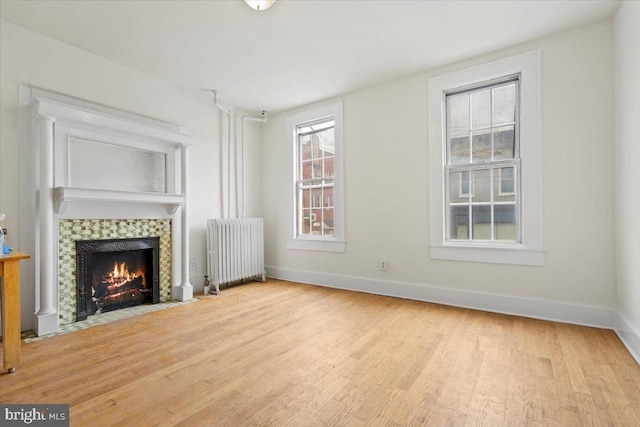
[{"x": 10, "y": 273}]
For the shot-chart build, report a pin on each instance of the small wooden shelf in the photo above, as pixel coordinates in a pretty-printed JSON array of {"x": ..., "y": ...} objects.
[{"x": 64, "y": 195}]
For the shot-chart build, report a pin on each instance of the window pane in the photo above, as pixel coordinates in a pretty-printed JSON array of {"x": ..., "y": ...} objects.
[
  {"x": 316, "y": 163},
  {"x": 465, "y": 183},
  {"x": 329, "y": 169},
  {"x": 306, "y": 170},
  {"x": 506, "y": 183},
  {"x": 504, "y": 142},
  {"x": 327, "y": 222},
  {"x": 458, "y": 106},
  {"x": 315, "y": 146},
  {"x": 306, "y": 199},
  {"x": 481, "y": 222},
  {"x": 328, "y": 197},
  {"x": 316, "y": 221},
  {"x": 459, "y": 222},
  {"x": 316, "y": 198},
  {"x": 305, "y": 227},
  {"x": 481, "y": 142},
  {"x": 317, "y": 168},
  {"x": 305, "y": 147},
  {"x": 481, "y": 109},
  {"x": 460, "y": 186},
  {"x": 481, "y": 182},
  {"x": 326, "y": 143},
  {"x": 504, "y": 104},
  {"x": 505, "y": 222},
  {"x": 459, "y": 150}
]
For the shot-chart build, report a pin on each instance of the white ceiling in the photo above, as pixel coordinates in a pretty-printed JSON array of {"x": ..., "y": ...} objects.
[{"x": 298, "y": 51}]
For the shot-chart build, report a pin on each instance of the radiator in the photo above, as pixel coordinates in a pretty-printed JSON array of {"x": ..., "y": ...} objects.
[{"x": 235, "y": 250}]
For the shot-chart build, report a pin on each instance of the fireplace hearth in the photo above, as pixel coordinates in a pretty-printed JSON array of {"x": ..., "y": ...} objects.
[{"x": 116, "y": 273}]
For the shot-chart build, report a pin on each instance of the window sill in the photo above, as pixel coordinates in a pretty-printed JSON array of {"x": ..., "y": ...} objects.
[
  {"x": 324, "y": 245},
  {"x": 495, "y": 255}
]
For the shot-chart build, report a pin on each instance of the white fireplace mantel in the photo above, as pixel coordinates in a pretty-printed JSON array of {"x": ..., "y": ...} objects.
[
  {"x": 63, "y": 196},
  {"x": 52, "y": 188}
]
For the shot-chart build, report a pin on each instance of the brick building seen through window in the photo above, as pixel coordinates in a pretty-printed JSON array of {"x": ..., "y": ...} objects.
[{"x": 316, "y": 172}]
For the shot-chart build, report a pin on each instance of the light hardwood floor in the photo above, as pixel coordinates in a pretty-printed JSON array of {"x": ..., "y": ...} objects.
[{"x": 286, "y": 354}]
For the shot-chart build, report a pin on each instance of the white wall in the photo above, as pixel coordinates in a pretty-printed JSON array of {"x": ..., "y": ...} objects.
[
  {"x": 627, "y": 161},
  {"x": 386, "y": 169},
  {"x": 31, "y": 58}
]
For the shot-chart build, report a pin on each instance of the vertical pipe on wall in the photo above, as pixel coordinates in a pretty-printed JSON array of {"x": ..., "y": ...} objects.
[
  {"x": 262, "y": 119},
  {"x": 225, "y": 208},
  {"x": 239, "y": 201},
  {"x": 229, "y": 164}
]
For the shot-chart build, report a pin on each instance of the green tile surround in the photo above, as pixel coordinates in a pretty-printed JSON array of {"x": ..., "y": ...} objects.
[{"x": 70, "y": 230}]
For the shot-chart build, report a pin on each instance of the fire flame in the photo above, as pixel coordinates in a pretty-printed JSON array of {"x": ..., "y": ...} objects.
[
  {"x": 121, "y": 275},
  {"x": 122, "y": 272}
]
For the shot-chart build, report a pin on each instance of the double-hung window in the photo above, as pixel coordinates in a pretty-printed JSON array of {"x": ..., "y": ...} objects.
[
  {"x": 315, "y": 163},
  {"x": 485, "y": 153},
  {"x": 315, "y": 191},
  {"x": 483, "y": 162}
]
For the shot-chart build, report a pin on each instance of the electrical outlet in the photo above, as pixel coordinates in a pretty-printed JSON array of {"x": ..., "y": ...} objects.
[
  {"x": 384, "y": 265},
  {"x": 192, "y": 264}
]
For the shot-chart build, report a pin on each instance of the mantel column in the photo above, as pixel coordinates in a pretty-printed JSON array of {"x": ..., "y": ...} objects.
[
  {"x": 185, "y": 291},
  {"x": 47, "y": 314}
]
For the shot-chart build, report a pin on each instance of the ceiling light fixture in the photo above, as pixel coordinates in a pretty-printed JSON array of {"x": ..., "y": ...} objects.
[{"x": 260, "y": 4}]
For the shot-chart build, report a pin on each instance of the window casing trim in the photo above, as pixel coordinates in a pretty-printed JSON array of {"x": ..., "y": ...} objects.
[
  {"x": 293, "y": 122},
  {"x": 530, "y": 250}
]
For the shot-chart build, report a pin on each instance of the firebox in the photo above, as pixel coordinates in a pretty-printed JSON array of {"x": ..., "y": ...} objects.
[{"x": 116, "y": 273}]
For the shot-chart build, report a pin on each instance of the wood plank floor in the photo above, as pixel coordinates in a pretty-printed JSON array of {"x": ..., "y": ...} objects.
[{"x": 286, "y": 354}]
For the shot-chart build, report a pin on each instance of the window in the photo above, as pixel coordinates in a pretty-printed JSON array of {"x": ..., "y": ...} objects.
[
  {"x": 316, "y": 204},
  {"x": 485, "y": 147},
  {"x": 482, "y": 140}
]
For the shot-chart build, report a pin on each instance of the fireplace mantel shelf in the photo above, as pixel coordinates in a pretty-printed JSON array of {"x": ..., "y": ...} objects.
[{"x": 64, "y": 195}]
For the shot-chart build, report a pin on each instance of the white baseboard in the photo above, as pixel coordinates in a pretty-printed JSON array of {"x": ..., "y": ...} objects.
[
  {"x": 629, "y": 337},
  {"x": 600, "y": 317}
]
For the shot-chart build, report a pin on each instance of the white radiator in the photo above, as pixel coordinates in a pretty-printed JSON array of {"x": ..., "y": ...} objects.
[{"x": 235, "y": 250}]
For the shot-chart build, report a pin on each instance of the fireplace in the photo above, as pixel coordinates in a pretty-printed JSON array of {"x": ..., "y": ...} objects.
[
  {"x": 63, "y": 147},
  {"x": 116, "y": 273}
]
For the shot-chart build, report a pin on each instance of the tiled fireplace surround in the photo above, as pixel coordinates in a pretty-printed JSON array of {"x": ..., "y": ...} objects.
[
  {"x": 71, "y": 230},
  {"x": 57, "y": 210}
]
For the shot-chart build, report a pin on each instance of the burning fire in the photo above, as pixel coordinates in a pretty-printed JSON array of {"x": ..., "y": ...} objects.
[
  {"x": 121, "y": 275},
  {"x": 122, "y": 272}
]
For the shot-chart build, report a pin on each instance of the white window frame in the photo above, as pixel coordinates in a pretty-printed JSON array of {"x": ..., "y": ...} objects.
[
  {"x": 335, "y": 243},
  {"x": 530, "y": 249}
]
